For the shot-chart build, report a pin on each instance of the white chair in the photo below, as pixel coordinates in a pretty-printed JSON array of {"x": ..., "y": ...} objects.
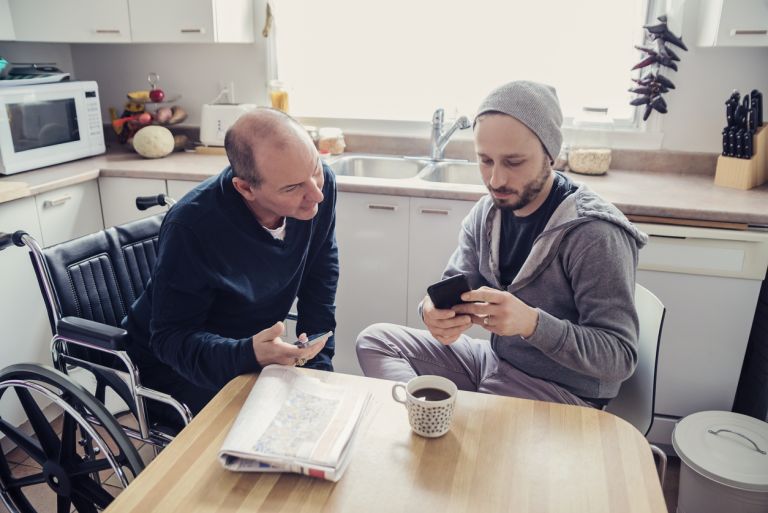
[{"x": 636, "y": 400}]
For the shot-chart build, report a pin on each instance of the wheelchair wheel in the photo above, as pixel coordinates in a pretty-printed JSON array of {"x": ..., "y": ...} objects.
[{"x": 91, "y": 442}]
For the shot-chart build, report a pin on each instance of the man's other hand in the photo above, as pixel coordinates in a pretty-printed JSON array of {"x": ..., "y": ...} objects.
[
  {"x": 270, "y": 348},
  {"x": 499, "y": 312},
  {"x": 444, "y": 325}
]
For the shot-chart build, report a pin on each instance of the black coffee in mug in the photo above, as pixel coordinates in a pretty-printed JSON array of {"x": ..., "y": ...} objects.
[{"x": 431, "y": 394}]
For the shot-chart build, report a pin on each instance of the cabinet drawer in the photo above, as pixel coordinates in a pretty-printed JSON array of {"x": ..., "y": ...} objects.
[
  {"x": 70, "y": 212},
  {"x": 178, "y": 188},
  {"x": 690, "y": 255},
  {"x": 118, "y": 198}
]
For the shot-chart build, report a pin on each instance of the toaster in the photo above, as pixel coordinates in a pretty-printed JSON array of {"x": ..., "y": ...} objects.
[{"x": 216, "y": 119}]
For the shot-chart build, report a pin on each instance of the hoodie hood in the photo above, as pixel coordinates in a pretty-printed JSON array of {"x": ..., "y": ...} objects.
[{"x": 584, "y": 205}]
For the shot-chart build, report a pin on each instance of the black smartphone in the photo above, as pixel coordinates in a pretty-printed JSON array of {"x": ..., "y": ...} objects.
[{"x": 447, "y": 293}]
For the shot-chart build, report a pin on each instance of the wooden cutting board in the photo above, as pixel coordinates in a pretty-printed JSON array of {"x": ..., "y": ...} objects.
[
  {"x": 210, "y": 150},
  {"x": 13, "y": 190}
]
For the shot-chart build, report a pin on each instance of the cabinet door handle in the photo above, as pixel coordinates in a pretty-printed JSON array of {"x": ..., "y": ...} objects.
[
  {"x": 193, "y": 31},
  {"x": 107, "y": 31},
  {"x": 437, "y": 211},
  {"x": 56, "y": 202},
  {"x": 749, "y": 32},
  {"x": 374, "y": 206}
]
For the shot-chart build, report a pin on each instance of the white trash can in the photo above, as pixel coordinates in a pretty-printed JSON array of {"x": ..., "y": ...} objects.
[{"x": 724, "y": 463}]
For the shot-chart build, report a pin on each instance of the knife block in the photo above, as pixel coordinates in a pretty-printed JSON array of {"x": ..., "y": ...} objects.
[{"x": 745, "y": 173}]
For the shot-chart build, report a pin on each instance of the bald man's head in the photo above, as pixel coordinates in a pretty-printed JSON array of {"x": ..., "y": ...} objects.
[{"x": 257, "y": 133}]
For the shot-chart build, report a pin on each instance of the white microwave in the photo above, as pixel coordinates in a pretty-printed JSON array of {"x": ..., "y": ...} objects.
[{"x": 45, "y": 124}]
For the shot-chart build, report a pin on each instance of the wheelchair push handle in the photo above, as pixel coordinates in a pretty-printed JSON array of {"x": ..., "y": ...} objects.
[
  {"x": 145, "y": 202},
  {"x": 12, "y": 239}
]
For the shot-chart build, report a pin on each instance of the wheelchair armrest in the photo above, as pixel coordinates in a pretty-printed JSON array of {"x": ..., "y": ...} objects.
[{"x": 94, "y": 333}]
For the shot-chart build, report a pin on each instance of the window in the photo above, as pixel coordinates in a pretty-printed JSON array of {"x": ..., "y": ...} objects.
[{"x": 401, "y": 59}]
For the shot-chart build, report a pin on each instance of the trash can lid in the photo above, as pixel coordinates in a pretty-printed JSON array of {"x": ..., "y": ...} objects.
[{"x": 726, "y": 447}]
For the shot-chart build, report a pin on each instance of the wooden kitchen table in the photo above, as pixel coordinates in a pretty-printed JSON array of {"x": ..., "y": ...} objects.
[{"x": 502, "y": 454}]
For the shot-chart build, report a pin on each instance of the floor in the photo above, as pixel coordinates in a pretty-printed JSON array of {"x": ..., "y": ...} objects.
[{"x": 43, "y": 499}]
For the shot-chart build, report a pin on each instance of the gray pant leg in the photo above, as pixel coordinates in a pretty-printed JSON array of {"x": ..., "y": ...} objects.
[
  {"x": 511, "y": 381},
  {"x": 399, "y": 353}
]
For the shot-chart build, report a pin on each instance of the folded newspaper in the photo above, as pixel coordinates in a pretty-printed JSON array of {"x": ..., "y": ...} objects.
[{"x": 292, "y": 422}]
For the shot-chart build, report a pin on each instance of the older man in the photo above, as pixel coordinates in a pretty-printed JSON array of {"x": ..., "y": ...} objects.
[
  {"x": 233, "y": 256},
  {"x": 552, "y": 268}
]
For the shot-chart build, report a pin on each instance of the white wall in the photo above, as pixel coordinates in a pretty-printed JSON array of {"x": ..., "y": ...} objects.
[
  {"x": 192, "y": 70},
  {"x": 705, "y": 79},
  {"x": 59, "y": 54}
]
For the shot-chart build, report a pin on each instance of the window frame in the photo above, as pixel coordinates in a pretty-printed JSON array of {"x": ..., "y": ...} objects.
[{"x": 629, "y": 133}]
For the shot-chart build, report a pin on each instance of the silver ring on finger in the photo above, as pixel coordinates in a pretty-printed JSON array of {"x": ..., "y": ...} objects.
[{"x": 300, "y": 362}]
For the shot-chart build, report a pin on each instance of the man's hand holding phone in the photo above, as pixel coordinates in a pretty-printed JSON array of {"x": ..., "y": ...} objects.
[
  {"x": 269, "y": 347},
  {"x": 443, "y": 323},
  {"x": 499, "y": 312}
]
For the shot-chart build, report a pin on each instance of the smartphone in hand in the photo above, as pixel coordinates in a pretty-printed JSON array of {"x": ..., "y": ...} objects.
[
  {"x": 447, "y": 293},
  {"x": 313, "y": 339}
]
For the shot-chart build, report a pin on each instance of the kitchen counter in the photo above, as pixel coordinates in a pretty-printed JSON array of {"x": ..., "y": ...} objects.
[{"x": 688, "y": 196}]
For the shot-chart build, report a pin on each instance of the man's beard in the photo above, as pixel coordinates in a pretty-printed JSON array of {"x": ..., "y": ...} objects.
[{"x": 530, "y": 191}]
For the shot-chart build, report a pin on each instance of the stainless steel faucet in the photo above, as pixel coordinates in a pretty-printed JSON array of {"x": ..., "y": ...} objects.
[{"x": 440, "y": 138}]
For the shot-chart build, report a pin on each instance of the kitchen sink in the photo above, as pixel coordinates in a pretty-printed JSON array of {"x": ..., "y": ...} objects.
[
  {"x": 465, "y": 173},
  {"x": 376, "y": 166}
]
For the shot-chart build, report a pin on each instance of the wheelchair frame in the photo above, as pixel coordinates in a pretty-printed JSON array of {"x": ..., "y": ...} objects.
[{"x": 61, "y": 358}]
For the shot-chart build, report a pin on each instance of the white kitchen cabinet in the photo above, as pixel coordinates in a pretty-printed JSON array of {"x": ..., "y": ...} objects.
[
  {"x": 69, "y": 212},
  {"x": 6, "y": 23},
  {"x": 434, "y": 234},
  {"x": 25, "y": 329},
  {"x": 118, "y": 198},
  {"x": 709, "y": 281},
  {"x": 178, "y": 188},
  {"x": 192, "y": 21},
  {"x": 372, "y": 233},
  {"x": 71, "y": 21},
  {"x": 733, "y": 23}
]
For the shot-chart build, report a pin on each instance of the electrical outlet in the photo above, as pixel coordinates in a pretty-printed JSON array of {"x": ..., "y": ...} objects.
[
  {"x": 226, "y": 92},
  {"x": 231, "y": 89}
]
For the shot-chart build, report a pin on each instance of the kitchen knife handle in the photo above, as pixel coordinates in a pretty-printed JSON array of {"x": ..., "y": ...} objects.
[
  {"x": 725, "y": 141},
  {"x": 749, "y": 150},
  {"x": 757, "y": 103}
]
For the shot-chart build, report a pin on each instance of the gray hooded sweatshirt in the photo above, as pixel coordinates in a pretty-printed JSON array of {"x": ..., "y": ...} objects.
[{"x": 580, "y": 275}]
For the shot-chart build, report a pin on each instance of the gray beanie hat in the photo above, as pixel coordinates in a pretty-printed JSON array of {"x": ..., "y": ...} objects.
[{"x": 535, "y": 105}]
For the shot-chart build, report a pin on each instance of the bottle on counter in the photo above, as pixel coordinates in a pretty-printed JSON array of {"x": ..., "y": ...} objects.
[{"x": 278, "y": 95}]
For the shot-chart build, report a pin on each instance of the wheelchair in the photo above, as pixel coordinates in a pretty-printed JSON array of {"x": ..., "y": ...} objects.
[{"x": 88, "y": 284}]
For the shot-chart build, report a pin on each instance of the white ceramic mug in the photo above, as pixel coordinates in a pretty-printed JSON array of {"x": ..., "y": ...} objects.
[{"x": 429, "y": 418}]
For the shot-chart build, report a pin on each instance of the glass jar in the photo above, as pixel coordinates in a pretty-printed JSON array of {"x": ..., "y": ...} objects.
[
  {"x": 330, "y": 140},
  {"x": 278, "y": 95}
]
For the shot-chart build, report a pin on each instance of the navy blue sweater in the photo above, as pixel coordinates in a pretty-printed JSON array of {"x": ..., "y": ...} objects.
[{"x": 220, "y": 278}]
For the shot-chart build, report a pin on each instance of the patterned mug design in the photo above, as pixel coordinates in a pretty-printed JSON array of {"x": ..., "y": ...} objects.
[{"x": 428, "y": 418}]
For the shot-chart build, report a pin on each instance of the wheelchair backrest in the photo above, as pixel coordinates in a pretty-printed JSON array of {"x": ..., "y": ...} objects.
[
  {"x": 136, "y": 243},
  {"x": 98, "y": 276}
]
